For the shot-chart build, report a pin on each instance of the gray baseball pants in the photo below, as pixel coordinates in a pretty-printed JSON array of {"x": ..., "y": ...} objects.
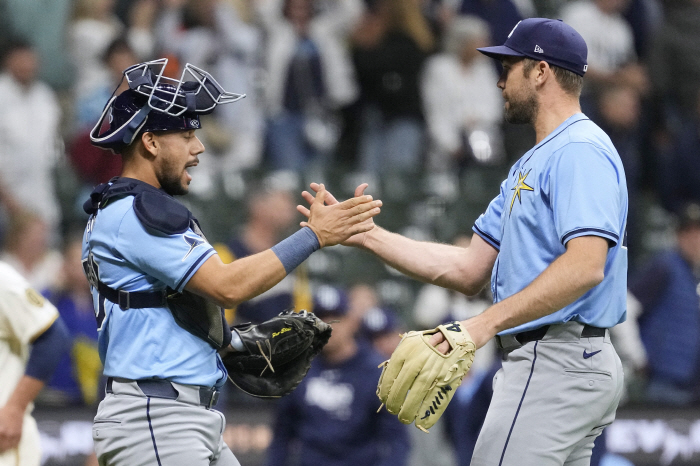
[
  {"x": 551, "y": 399},
  {"x": 133, "y": 429}
]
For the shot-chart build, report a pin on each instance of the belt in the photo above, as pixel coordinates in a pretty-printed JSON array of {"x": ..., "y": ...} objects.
[
  {"x": 156, "y": 388},
  {"x": 537, "y": 334},
  {"x": 133, "y": 299}
]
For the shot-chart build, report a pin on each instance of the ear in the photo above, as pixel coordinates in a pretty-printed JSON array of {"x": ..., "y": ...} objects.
[
  {"x": 150, "y": 143},
  {"x": 541, "y": 73}
]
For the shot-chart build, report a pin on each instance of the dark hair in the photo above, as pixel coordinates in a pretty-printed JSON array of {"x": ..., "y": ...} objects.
[
  {"x": 118, "y": 45},
  {"x": 568, "y": 80},
  {"x": 15, "y": 44}
]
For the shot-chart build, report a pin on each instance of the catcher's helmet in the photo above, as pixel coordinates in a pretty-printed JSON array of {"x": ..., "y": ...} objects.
[{"x": 155, "y": 102}]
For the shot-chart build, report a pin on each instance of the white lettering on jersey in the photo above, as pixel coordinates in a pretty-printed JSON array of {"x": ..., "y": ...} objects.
[{"x": 336, "y": 398}]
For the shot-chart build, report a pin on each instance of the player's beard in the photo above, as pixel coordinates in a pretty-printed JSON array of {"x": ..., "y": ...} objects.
[
  {"x": 170, "y": 178},
  {"x": 522, "y": 111}
]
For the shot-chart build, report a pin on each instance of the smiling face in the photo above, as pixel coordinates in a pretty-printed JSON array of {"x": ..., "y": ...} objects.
[
  {"x": 178, "y": 151},
  {"x": 518, "y": 91}
]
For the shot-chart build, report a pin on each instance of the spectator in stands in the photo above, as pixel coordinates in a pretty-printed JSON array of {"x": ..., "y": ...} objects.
[
  {"x": 674, "y": 63},
  {"x": 43, "y": 24},
  {"x": 310, "y": 76},
  {"x": 26, "y": 248},
  {"x": 270, "y": 212},
  {"x": 679, "y": 163},
  {"x": 501, "y": 15},
  {"x": 618, "y": 112},
  {"x": 331, "y": 418},
  {"x": 116, "y": 58},
  {"x": 220, "y": 36},
  {"x": 383, "y": 329},
  {"x": 467, "y": 410},
  {"x": 92, "y": 164},
  {"x": 668, "y": 290},
  {"x": 391, "y": 44},
  {"x": 611, "y": 54},
  {"x": 76, "y": 380},
  {"x": 94, "y": 27},
  {"x": 29, "y": 138},
  {"x": 645, "y": 18},
  {"x": 362, "y": 297},
  {"x": 463, "y": 109}
]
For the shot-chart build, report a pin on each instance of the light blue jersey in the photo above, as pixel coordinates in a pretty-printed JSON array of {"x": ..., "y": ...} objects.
[
  {"x": 146, "y": 343},
  {"x": 571, "y": 184}
]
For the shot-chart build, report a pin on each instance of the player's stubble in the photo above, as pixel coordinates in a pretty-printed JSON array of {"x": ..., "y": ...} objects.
[
  {"x": 169, "y": 174},
  {"x": 522, "y": 109}
]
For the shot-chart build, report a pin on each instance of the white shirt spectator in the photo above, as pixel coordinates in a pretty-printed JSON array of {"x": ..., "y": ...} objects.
[
  {"x": 608, "y": 36},
  {"x": 234, "y": 47},
  {"x": 329, "y": 30},
  {"x": 458, "y": 100},
  {"x": 29, "y": 146}
]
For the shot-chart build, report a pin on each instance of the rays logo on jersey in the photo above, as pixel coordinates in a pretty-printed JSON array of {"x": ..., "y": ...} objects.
[
  {"x": 521, "y": 186},
  {"x": 91, "y": 270},
  {"x": 193, "y": 243}
]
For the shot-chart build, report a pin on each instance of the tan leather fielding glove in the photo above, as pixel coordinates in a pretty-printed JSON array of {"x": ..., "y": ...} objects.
[{"x": 418, "y": 381}]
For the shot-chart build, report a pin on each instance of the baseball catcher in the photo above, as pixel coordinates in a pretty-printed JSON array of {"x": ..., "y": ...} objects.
[
  {"x": 419, "y": 381},
  {"x": 271, "y": 358}
]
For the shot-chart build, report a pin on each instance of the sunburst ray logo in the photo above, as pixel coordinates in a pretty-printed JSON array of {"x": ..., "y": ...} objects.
[{"x": 519, "y": 187}]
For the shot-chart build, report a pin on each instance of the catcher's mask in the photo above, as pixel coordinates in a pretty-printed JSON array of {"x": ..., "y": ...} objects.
[{"x": 155, "y": 102}]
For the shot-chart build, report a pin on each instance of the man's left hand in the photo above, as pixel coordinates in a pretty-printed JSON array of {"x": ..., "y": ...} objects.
[{"x": 11, "y": 420}]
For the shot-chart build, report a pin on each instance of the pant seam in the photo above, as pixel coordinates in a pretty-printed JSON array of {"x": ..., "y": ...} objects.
[
  {"x": 150, "y": 426},
  {"x": 532, "y": 369}
]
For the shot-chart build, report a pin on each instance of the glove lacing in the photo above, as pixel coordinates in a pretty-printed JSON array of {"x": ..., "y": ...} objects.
[{"x": 267, "y": 359}]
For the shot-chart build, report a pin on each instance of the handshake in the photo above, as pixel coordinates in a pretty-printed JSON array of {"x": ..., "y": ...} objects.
[{"x": 334, "y": 222}]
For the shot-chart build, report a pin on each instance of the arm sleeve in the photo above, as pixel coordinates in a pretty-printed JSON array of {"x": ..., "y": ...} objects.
[
  {"x": 488, "y": 225},
  {"x": 172, "y": 259},
  {"x": 47, "y": 351},
  {"x": 26, "y": 313},
  {"x": 585, "y": 193}
]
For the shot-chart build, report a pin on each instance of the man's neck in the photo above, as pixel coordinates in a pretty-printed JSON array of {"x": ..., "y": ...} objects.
[
  {"x": 552, "y": 114},
  {"x": 147, "y": 176}
]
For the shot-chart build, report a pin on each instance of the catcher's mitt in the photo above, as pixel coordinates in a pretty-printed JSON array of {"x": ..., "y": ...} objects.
[
  {"x": 418, "y": 381},
  {"x": 278, "y": 353}
]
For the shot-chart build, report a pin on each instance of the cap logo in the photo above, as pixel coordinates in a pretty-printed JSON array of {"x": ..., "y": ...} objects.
[
  {"x": 511, "y": 31},
  {"x": 194, "y": 123},
  {"x": 585, "y": 68},
  {"x": 538, "y": 49}
]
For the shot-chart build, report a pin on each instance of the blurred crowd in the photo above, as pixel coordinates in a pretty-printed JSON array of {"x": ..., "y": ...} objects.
[{"x": 386, "y": 91}]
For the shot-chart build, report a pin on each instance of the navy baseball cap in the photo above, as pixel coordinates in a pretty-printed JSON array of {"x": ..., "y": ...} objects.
[
  {"x": 378, "y": 321},
  {"x": 550, "y": 40},
  {"x": 330, "y": 300}
]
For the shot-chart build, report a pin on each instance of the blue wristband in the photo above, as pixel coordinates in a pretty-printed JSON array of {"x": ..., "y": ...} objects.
[{"x": 296, "y": 248}]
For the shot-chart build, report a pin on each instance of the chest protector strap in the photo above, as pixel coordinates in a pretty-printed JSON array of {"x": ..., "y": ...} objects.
[{"x": 159, "y": 211}]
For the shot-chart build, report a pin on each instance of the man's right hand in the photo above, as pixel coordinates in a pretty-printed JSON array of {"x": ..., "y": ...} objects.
[{"x": 339, "y": 222}]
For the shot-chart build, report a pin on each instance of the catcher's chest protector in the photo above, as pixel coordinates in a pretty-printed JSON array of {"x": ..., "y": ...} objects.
[{"x": 160, "y": 212}]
